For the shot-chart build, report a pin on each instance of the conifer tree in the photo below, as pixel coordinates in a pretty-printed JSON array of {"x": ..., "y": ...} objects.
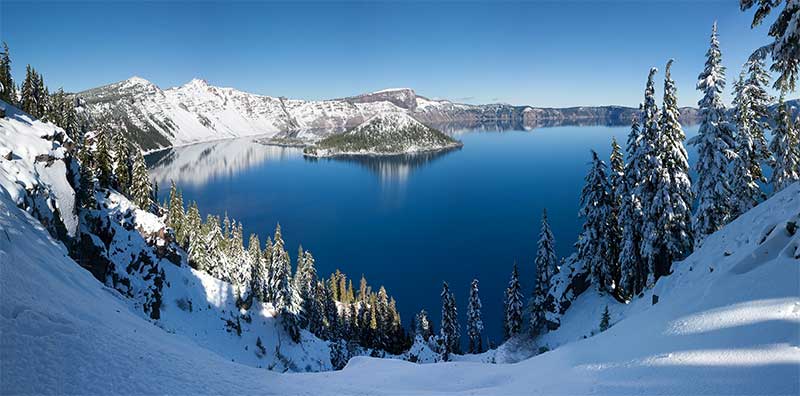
[
  {"x": 715, "y": 149},
  {"x": 784, "y": 146},
  {"x": 594, "y": 248},
  {"x": 545, "y": 269},
  {"x": 141, "y": 191},
  {"x": 667, "y": 228},
  {"x": 122, "y": 166},
  {"x": 193, "y": 221},
  {"x": 258, "y": 277},
  {"x": 474, "y": 321},
  {"x": 307, "y": 285},
  {"x": 175, "y": 212},
  {"x": 746, "y": 170},
  {"x": 630, "y": 214},
  {"x": 785, "y": 32},
  {"x": 513, "y": 306},
  {"x": 331, "y": 314},
  {"x": 103, "y": 161},
  {"x": 284, "y": 296},
  {"x": 605, "y": 320},
  {"x": 8, "y": 90},
  {"x": 384, "y": 319},
  {"x": 28, "y": 93},
  {"x": 449, "y": 332},
  {"x": 423, "y": 325},
  {"x": 756, "y": 112}
]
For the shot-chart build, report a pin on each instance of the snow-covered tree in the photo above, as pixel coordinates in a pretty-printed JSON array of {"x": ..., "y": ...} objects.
[
  {"x": 715, "y": 149},
  {"x": 474, "y": 321},
  {"x": 746, "y": 169},
  {"x": 629, "y": 220},
  {"x": 103, "y": 161},
  {"x": 175, "y": 212},
  {"x": 757, "y": 112},
  {"x": 594, "y": 247},
  {"x": 331, "y": 313},
  {"x": 667, "y": 211},
  {"x": 785, "y": 31},
  {"x": 785, "y": 149},
  {"x": 140, "y": 191},
  {"x": 281, "y": 290},
  {"x": 122, "y": 165},
  {"x": 8, "y": 92},
  {"x": 512, "y": 323},
  {"x": 423, "y": 325},
  {"x": 546, "y": 267},
  {"x": 449, "y": 332}
]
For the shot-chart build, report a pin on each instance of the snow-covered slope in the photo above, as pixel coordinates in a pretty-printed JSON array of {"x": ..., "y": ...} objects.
[
  {"x": 726, "y": 322},
  {"x": 384, "y": 134},
  {"x": 197, "y": 112}
]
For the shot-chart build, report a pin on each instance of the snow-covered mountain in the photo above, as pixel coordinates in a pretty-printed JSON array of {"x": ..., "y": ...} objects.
[
  {"x": 196, "y": 112},
  {"x": 384, "y": 134}
]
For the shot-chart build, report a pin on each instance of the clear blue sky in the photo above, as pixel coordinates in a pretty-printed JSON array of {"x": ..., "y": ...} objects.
[{"x": 537, "y": 53}]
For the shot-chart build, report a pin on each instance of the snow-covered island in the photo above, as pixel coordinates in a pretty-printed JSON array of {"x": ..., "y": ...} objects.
[{"x": 384, "y": 134}]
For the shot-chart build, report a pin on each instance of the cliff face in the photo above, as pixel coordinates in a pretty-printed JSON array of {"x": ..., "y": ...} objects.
[{"x": 196, "y": 112}]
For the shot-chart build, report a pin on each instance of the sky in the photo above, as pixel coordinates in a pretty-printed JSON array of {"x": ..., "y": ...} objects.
[{"x": 549, "y": 54}]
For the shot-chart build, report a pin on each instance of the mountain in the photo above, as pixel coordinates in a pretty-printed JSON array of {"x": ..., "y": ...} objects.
[
  {"x": 195, "y": 112},
  {"x": 134, "y": 318},
  {"x": 384, "y": 134}
]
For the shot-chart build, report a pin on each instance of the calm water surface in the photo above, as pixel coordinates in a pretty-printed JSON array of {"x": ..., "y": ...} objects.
[{"x": 408, "y": 223}]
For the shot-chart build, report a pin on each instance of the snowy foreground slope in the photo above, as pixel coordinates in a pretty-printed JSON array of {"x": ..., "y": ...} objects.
[{"x": 733, "y": 330}]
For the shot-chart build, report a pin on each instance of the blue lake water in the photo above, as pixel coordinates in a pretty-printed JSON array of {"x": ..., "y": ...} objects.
[{"x": 407, "y": 223}]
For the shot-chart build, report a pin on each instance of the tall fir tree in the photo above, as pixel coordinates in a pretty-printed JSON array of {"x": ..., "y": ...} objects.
[
  {"x": 629, "y": 221},
  {"x": 175, "y": 212},
  {"x": 284, "y": 296},
  {"x": 755, "y": 87},
  {"x": 785, "y": 149},
  {"x": 546, "y": 267},
  {"x": 474, "y": 320},
  {"x": 594, "y": 247},
  {"x": 141, "y": 191},
  {"x": 28, "y": 96},
  {"x": 8, "y": 91},
  {"x": 122, "y": 165},
  {"x": 715, "y": 149},
  {"x": 423, "y": 325},
  {"x": 512, "y": 324},
  {"x": 668, "y": 214},
  {"x": 746, "y": 170},
  {"x": 449, "y": 332},
  {"x": 103, "y": 160},
  {"x": 193, "y": 221},
  {"x": 785, "y": 33},
  {"x": 331, "y": 314}
]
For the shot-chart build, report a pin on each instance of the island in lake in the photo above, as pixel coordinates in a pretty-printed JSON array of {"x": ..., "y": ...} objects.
[{"x": 384, "y": 134}]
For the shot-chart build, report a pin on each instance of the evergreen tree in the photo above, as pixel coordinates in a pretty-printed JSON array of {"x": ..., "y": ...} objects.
[
  {"x": 715, "y": 149},
  {"x": 122, "y": 166},
  {"x": 449, "y": 332},
  {"x": 331, "y": 314},
  {"x": 175, "y": 213},
  {"x": 384, "y": 322},
  {"x": 594, "y": 248},
  {"x": 307, "y": 286},
  {"x": 103, "y": 161},
  {"x": 474, "y": 321},
  {"x": 258, "y": 277},
  {"x": 8, "y": 92},
  {"x": 667, "y": 225},
  {"x": 85, "y": 192},
  {"x": 141, "y": 191},
  {"x": 630, "y": 214},
  {"x": 423, "y": 325},
  {"x": 28, "y": 95},
  {"x": 785, "y": 31},
  {"x": 284, "y": 296},
  {"x": 746, "y": 170},
  {"x": 193, "y": 222},
  {"x": 513, "y": 306},
  {"x": 784, "y": 146},
  {"x": 546, "y": 267},
  {"x": 757, "y": 114},
  {"x": 605, "y": 320}
]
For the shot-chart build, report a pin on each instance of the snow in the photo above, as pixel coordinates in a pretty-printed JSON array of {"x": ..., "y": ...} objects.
[{"x": 726, "y": 322}]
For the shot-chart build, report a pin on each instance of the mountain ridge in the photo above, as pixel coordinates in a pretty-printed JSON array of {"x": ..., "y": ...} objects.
[{"x": 157, "y": 118}]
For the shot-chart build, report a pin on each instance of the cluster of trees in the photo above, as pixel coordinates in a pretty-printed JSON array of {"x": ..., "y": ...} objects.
[
  {"x": 639, "y": 218},
  {"x": 329, "y": 308},
  {"x": 34, "y": 97}
]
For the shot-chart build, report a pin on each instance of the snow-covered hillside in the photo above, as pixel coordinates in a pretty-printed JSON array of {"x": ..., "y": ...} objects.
[
  {"x": 197, "y": 112},
  {"x": 726, "y": 322},
  {"x": 384, "y": 134}
]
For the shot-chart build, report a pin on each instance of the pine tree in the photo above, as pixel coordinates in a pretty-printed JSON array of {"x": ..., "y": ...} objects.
[
  {"x": 175, "y": 212},
  {"x": 122, "y": 166},
  {"x": 784, "y": 146},
  {"x": 384, "y": 321},
  {"x": 193, "y": 222},
  {"x": 28, "y": 94},
  {"x": 213, "y": 262},
  {"x": 605, "y": 320},
  {"x": 715, "y": 149},
  {"x": 141, "y": 191},
  {"x": 8, "y": 92},
  {"x": 785, "y": 31},
  {"x": 513, "y": 306},
  {"x": 258, "y": 276},
  {"x": 449, "y": 332},
  {"x": 630, "y": 215},
  {"x": 667, "y": 225},
  {"x": 545, "y": 269},
  {"x": 307, "y": 285},
  {"x": 474, "y": 321},
  {"x": 331, "y": 314},
  {"x": 85, "y": 192},
  {"x": 757, "y": 108},
  {"x": 746, "y": 170},
  {"x": 284, "y": 296},
  {"x": 103, "y": 161},
  {"x": 594, "y": 248},
  {"x": 423, "y": 325}
]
